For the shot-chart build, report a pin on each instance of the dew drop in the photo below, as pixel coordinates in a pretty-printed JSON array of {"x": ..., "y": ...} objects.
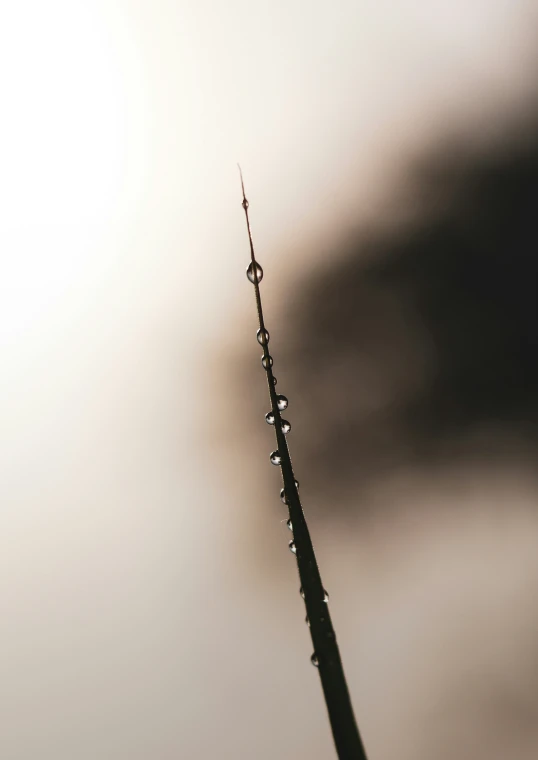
[
  {"x": 270, "y": 418},
  {"x": 286, "y": 427},
  {"x": 275, "y": 458},
  {"x": 290, "y": 526},
  {"x": 274, "y": 380},
  {"x": 325, "y": 596},
  {"x": 292, "y": 547},
  {"x": 267, "y": 361},
  {"x": 301, "y": 591},
  {"x": 307, "y": 621},
  {"x": 283, "y": 496},
  {"x": 296, "y": 484},
  {"x": 245, "y": 204},
  {"x": 315, "y": 660},
  {"x": 263, "y": 337},
  {"x": 254, "y": 272},
  {"x": 281, "y": 402}
]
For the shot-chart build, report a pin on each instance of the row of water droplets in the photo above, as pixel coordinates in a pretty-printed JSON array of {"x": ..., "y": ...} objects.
[
  {"x": 255, "y": 276},
  {"x": 345, "y": 733}
]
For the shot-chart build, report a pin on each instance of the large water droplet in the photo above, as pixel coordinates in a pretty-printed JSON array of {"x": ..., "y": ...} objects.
[
  {"x": 245, "y": 204},
  {"x": 274, "y": 380},
  {"x": 286, "y": 427},
  {"x": 292, "y": 547},
  {"x": 290, "y": 526},
  {"x": 263, "y": 337},
  {"x": 325, "y": 596},
  {"x": 315, "y": 660},
  {"x": 267, "y": 361},
  {"x": 254, "y": 272},
  {"x": 275, "y": 458},
  {"x": 281, "y": 402},
  {"x": 283, "y": 496},
  {"x": 270, "y": 418}
]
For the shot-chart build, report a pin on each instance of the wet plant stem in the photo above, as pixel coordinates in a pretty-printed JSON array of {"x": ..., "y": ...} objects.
[{"x": 326, "y": 654}]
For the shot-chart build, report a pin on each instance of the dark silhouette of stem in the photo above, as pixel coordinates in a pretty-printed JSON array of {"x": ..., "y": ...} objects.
[{"x": 344, "y": 728}]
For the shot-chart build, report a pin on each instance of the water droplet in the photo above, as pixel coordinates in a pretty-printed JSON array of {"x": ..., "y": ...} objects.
[
  {"x": 301, "y": 591},
  {"x": 292, "y": 547},
  {"x": 307, "y": 621},
  {"x": 283, "y": 496},
  {"x": 281, "y": 402},
  {"x": 245, "y": 204},
  {"x": 263, "y": 337},
  {"x": 254, "y": 272},
  {"x": 286, "y": 427},
  {"x": 267, "y": 361},
  {"x": 270, "y": 418},
  {"x": 290, "y": 526},
  {"x": 315, "y": 660},
  {"x": 275, "y": 458},
  {"x": 274, "y": 380},
  {"x": 296, "y": 484},
  {"x": 325, "y": 596}
]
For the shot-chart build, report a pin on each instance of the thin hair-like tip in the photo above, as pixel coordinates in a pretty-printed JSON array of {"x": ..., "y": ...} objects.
[{"x": 242, "y": 183}]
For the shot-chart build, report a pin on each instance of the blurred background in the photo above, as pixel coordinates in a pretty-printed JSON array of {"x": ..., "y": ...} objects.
[{"x": 150, "y": 605}]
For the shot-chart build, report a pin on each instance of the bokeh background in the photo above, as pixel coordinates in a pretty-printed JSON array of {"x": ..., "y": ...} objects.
[{"x": 150, "y": 605}]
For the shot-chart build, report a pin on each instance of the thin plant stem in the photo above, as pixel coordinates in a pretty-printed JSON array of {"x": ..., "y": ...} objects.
[{"x": 326, "y": 654}]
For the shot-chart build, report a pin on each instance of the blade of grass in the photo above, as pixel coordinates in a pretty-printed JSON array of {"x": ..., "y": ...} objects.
[{"x": 326, "y": 653}]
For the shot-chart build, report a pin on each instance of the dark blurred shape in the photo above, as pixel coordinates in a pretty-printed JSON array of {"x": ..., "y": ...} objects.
[{"x": 422, "y": 349}]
